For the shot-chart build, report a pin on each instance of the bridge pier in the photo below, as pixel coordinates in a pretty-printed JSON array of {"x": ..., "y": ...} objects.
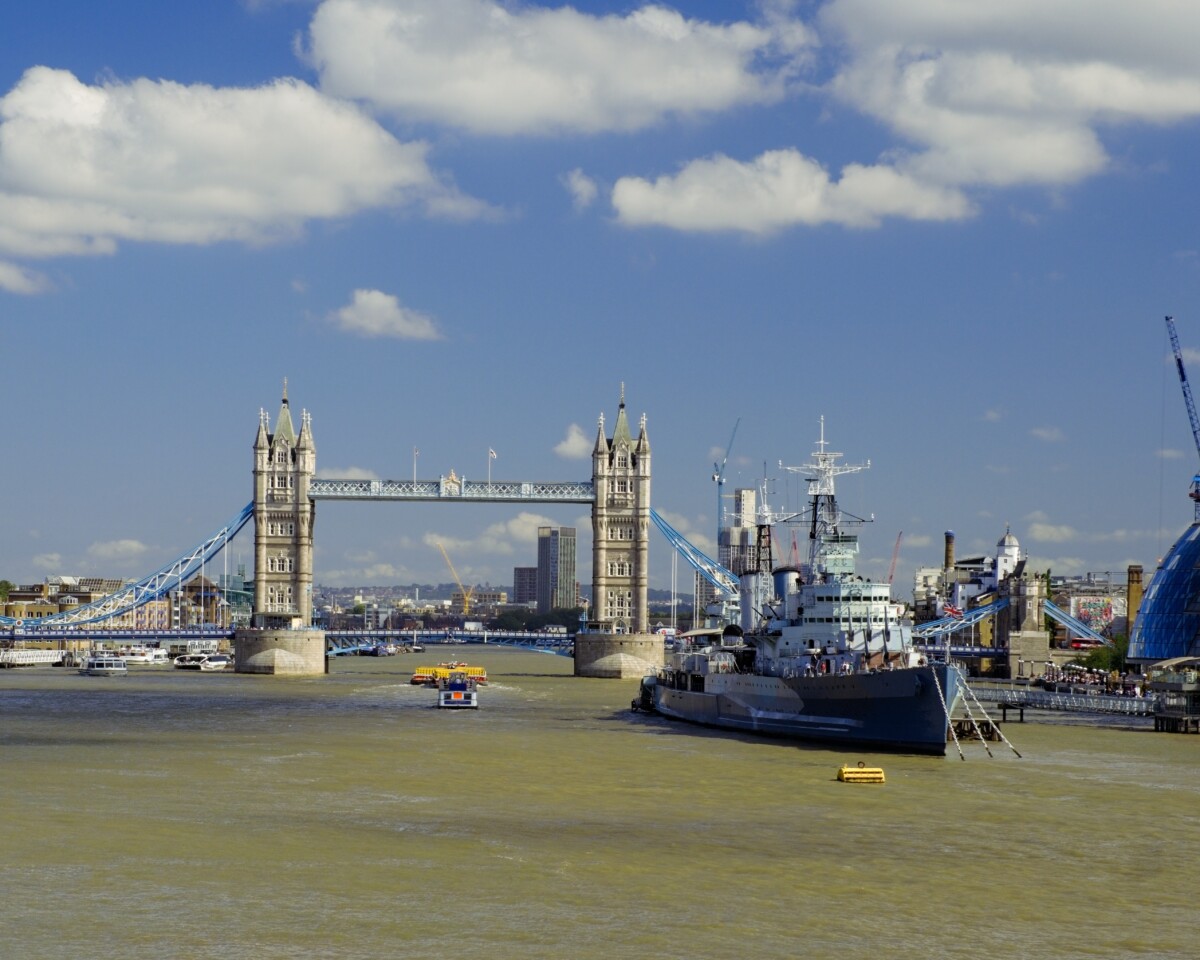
[
  {"x": 618, "y": 656},
  {"x": 293, "y": 653}
]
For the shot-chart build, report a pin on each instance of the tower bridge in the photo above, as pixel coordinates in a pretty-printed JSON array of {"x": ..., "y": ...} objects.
[{"x": 283, "y": 511}]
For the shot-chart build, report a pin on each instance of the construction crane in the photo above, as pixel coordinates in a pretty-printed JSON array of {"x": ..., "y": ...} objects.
[
  {"x": 719, "y": 475},
  {"x": 1194, "y": 491},
  {"x": 466, "y": 594},
  {"x": 895, "y": 556}
]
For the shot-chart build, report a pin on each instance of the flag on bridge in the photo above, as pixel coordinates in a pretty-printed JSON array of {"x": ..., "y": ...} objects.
[
  {"x": 952, "y": 611},
  {"x": 491, "y": 453}
]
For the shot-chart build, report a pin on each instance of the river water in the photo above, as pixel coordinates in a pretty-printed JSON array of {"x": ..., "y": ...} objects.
[{"x": 178, "y": 815}]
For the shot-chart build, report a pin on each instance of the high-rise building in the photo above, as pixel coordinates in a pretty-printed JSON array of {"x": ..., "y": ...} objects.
[
  {"x": 556, "y": 569},
  {"x": 525, "y": 585}
]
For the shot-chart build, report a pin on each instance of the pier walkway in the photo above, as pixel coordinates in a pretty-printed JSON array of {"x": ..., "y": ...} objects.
[{"x": 1015, "y": 697}]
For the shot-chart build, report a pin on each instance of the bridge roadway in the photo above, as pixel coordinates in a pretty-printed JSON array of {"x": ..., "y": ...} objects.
[
  {"x": 338, "y": 642},
  {"x": 961, "y": 651}
]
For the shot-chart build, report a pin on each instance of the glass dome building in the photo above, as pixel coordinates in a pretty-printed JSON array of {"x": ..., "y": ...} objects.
[{"x": 1168, "y": 623}]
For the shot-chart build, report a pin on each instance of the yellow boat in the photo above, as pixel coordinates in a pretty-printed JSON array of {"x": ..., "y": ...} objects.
[
  {"x": 861, "y": 774},
  {"x": 434, "y": 675}
]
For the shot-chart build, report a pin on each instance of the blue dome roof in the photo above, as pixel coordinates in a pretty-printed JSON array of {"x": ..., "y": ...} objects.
[{"x": 1168, "y": 623}]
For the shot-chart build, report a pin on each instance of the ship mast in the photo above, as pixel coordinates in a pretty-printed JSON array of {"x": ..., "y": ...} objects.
[{"x": 828, "y": 549}]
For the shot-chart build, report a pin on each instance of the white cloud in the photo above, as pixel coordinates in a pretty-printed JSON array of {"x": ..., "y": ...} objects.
[
  {"x": 48, "y": 561},
  {"x": 346, "y": 473},
  {"x": 372, "y": 313},
  {"x": 506, "y": 68},
  {"x": 1052, "y": 533},
  {"x": 994, "y": 93},
  {"x": 16, "y": 279},
  {"x": 1167, "y": 453},
  {"x": 116, "y": 550},
  {"x": 1003, "y": 92},
  {"x": 1057, "y": 565},
  {"x": 1049, "y": 434},
  {"x": 581, "y": 187},
  {"x": 993, "y": 415},
  {"x": 693, "y": 534},
  {"x": 778, "y": 189},
  {"x": 83, "y": 167},
  {"x": 575, "y": 445}
]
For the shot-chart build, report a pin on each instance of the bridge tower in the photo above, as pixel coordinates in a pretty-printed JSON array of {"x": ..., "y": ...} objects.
[
  {"x": 1020, "y": 628},
  {"x": 621, "y": 528},
  {"x": 284, "y": 465}
]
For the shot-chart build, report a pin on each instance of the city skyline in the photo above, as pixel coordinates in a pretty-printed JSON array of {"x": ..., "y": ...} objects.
[{"x": 462, "y": 229}]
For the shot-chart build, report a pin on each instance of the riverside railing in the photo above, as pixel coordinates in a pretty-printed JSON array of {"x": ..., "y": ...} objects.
[{"x": 1070, "y": 702}]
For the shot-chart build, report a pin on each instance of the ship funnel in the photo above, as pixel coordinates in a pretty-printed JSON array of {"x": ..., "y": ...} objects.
[{"x": 787, "y": 589}]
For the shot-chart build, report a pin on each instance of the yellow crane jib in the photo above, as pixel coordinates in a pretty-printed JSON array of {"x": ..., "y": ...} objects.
[{"x": 466, "y": 594}]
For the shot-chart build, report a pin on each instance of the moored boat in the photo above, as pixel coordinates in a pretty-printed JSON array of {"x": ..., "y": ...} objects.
[
  {"x": 104, "y": 666},
  {"x": 203, "y": 661},
  {"x": 821, "y": 654}
]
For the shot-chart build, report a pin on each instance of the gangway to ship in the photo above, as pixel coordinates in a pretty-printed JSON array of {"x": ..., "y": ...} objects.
[{"x": 1013, "y": 698}]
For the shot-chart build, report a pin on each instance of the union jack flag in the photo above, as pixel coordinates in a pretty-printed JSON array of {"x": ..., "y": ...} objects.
[{"x": 952, "y": 611}]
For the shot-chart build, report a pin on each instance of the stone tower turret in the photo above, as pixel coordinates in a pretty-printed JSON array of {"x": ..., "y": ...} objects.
[
  {"x": 284, "y": 466},
  {"x": 621, "y": 527}
]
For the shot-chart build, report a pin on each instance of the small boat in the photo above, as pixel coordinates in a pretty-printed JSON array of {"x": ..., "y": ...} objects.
[
  {"x": 432, "y": 676},
  {"x": 203, "y": 661},
  {"x": 146, "y": 655},
  {"x": 458, "y": 691},
  {"x": 102, "y": 666}
]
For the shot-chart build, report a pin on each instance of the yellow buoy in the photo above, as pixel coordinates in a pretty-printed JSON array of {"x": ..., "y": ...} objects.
[{"x": 861, "y": 774}]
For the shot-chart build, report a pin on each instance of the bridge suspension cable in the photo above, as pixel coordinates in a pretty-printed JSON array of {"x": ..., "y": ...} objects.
[
  {"x": 723, "y": 580},
  {"x": 148, "y": 588}
]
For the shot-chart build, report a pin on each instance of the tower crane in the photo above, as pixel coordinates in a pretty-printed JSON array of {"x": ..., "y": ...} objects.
[
  {"x": 466, "y": 594},
  {"x": 895, "y": 557},
  {"x": 1194, "y": 491},
  {"x": 719, "y": 475}
]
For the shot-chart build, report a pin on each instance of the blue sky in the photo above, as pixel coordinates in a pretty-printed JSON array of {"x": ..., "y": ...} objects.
[{"x": 950, "y": 227}]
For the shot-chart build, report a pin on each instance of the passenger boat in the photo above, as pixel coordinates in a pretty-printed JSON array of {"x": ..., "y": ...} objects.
[
  {"x": 203, "y": 661},
  {"x": 458, "y": 691},
  {"x": 146, "y": 655},
  {"x": 104, "y": 666},
  {"x": 828, "y": 657},
  {"x": 427, "y": 676}
]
